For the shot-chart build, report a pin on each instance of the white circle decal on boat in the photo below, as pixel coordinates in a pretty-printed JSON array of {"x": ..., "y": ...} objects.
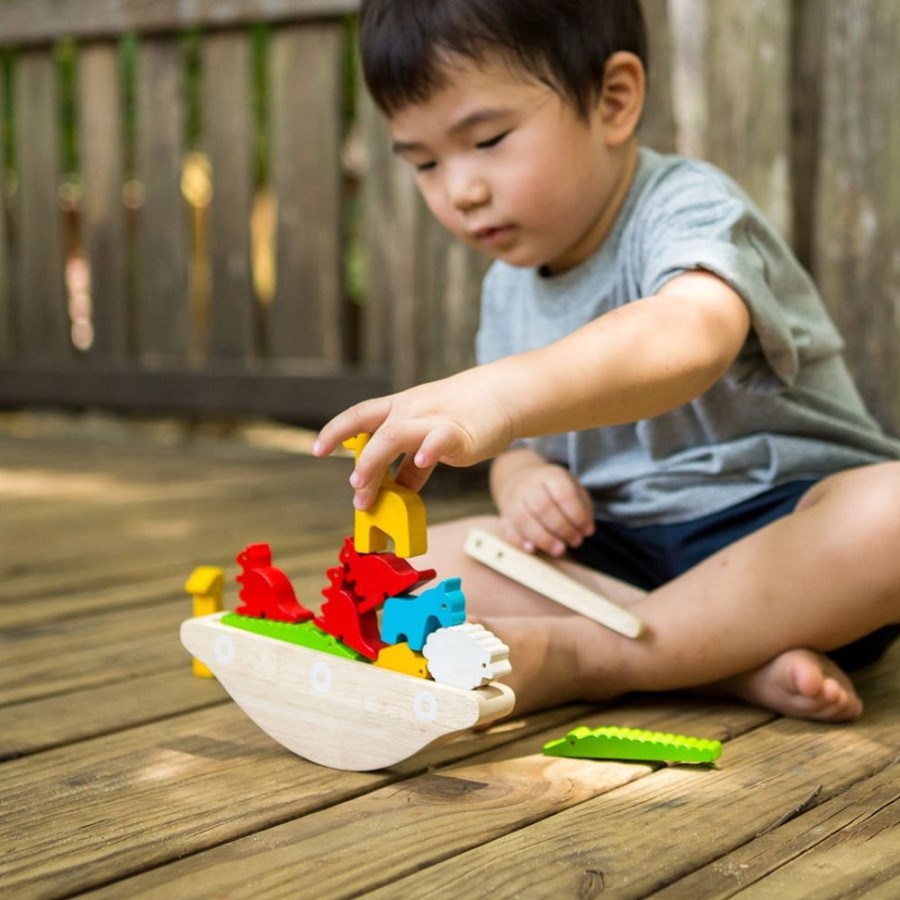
[
  {"x": 320, "y": 677},
  {"x": 425, "y": 706},
  {"x": 223, "y": 649}
]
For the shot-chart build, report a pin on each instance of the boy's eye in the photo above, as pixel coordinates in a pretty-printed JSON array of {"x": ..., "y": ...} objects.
[
  {"x": 492, "y": 142},
  {"x": 425, "y": 166}
]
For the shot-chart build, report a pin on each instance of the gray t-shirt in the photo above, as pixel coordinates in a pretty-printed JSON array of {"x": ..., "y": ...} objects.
[{"x": 787, "y": 409}]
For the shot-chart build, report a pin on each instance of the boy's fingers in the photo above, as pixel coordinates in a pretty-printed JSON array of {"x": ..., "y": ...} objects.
[
  {"x": 443, "y": 443},
  {"x": 366, "y": 416}
]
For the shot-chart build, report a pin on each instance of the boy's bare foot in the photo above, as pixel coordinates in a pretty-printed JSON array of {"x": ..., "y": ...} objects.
[{"x": 799, "y": 683}]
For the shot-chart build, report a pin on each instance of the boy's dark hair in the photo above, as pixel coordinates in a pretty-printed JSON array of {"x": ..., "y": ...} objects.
[{"x": 563, "y": 43}]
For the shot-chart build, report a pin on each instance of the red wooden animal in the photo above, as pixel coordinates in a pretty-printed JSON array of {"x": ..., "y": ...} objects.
[
  {"x": 342, "y": 616},
  {"x": 266, "y": 591},
  {"x": 377, "y": 576}
]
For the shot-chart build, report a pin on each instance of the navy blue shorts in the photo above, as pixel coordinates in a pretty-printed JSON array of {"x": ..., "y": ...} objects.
[{"x": 648, "y": 556}]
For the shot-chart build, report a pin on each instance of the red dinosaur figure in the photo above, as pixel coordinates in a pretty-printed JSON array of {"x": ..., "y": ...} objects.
[
  {"x": 377, "y": 576},
  {"x": 266, "y": 591},
  {"x": 343, "y": 617}
]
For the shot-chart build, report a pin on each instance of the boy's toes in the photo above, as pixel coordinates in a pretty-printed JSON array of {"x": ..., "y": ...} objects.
[{"x": 803, "y": 684}]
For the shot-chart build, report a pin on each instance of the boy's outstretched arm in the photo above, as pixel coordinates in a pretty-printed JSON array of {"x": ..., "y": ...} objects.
[{"x": 636, "y": 362}]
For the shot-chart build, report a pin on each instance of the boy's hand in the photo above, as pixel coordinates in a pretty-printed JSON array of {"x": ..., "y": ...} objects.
[
  {"x": 457, "y": 421},
  {"x": 542, "y": 506}
]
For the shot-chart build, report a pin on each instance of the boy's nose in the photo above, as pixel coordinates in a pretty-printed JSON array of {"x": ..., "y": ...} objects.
[{"x": 469, "y": 193}]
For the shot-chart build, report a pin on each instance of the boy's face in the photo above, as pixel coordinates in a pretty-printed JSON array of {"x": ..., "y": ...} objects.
[{"x": 507, "y": 166}]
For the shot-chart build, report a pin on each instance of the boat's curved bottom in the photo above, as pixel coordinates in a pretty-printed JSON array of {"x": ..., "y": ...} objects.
[{"x": 332, "y": 711}]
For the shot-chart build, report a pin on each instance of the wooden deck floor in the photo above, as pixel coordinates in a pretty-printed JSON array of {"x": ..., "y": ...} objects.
[{"x": 123, "y": 775}]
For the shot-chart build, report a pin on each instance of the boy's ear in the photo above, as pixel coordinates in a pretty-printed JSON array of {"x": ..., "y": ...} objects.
[{"x": 622, "y": 98}]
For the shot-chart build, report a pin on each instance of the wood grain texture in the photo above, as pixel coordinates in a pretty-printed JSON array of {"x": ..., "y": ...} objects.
[
  {"x": 615, "y": 843},
  {"x": 101, "y": 133},
  {"x": 26, "y": 22},
  {"x": 836, "y": 849},
  {"x": 164, "y": 312},
  {"x": 228, "y": 139},
  {"x": 123, "y": 775},
  {"x": 747, "y": 53},
  {"x": 858, "y": 208},
  {"x": 41, "y": 311},
  {"x": 6, "y": 324},
  {"x": 307, "y": 318}
]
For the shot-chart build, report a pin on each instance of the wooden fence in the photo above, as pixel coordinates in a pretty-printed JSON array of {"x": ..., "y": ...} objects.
[{"x": 792, "y": 97}]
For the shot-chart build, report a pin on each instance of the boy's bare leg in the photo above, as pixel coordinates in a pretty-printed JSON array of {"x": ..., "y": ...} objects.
[{"x": 754, "y": 618}]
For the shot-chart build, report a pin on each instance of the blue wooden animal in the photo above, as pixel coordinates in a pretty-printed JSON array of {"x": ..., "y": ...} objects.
[{"x": 413, "y": 618}]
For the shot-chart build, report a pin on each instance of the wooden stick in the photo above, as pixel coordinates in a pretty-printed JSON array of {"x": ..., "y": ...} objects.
[{"x": 540, "y": 576}]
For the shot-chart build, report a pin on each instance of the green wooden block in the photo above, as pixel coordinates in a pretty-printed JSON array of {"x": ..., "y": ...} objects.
[
  {"x": 305, "y": 634},
  {"x": 613, "y": 742}
]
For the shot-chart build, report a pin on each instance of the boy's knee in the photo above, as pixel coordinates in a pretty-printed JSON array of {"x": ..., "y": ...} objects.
[{"x": 869, "y": 507}]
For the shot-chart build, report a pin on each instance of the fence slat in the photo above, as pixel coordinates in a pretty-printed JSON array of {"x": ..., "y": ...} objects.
[
  {"x": 41, "y": 302},
  {"x": 228, "y": 135},
  {"x": 307, "y": 318},
  {"x": 858, "y": 214},
  {"x": 658, "y": 124},
  {"x": 164, "y": 315},
  {"x": 807, "y": 62},
  {"x": 24, "y": 22},
  {"x": 5, "y": 273},
  {"x": 747, "y": 46},
  {"x": 101, "y": 135},
  {"x": 377, "y": 187},
  {"x": 448, "y": 297}
]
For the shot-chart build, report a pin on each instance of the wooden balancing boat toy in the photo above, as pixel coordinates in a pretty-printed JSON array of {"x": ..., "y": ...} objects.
[
  {"x": 335, "y": 711},
  {"x": 380, "y": 674}
]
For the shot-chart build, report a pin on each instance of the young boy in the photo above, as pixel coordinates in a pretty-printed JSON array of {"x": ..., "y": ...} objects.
[{"x": 660, "y": 388}]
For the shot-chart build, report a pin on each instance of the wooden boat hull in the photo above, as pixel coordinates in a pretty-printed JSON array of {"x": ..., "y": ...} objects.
[{"x": 332, "y": 711}]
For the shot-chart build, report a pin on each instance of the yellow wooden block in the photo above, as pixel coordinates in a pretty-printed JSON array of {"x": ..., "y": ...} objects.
[
  {"x": 398, "y": 513},
  {"x": 206, "y": 586},
  {"x": 400, "y": 658}
]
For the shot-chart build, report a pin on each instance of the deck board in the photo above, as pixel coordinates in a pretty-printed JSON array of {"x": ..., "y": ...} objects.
[{"x": 123, "y": 775}]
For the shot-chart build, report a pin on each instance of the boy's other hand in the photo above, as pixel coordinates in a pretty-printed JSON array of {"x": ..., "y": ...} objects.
[{"x": 544, "y": 508}]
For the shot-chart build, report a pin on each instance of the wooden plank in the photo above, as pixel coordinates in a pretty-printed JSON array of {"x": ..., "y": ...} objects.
[
  {"x": 855, "y": 259},
  {"x": 807, "y": 77},
  {"x": 843, "y": 848},
  {"x": 58, "y": 720},
  {"x": 657, "y": 128},
  {"x": 304, "y": 394},
  {"x": 228, "y": 133},
  {"x": 307, "y": 316},
  {"x": 6, "y": 329},
  {"x": 93, "y": 813},
  {"x": 402, "y": 828},
  {"x": 40, "y": 294},
  {"x": 449, "y": 303},
  {"x": 409, "y": 228},
  {"x": 102, "y": 809},
  {"x": 654, "y": 831},
  {"x": 25, "y": 22},
  {"x": 101, "y": 136},
  {"x": 377, "y": 209},
  {"x": 164, "y": 313},
  {"x": 747, "y": 46},
  {"x": 79, "y": 653},
  {"x": 540, "y": 576}
]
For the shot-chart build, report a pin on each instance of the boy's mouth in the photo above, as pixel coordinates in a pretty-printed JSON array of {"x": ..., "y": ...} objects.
[{"x": 492, "y": 236}]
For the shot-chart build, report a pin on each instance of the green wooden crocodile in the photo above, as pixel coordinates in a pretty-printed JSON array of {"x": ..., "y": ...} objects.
[{"x": 614, "y": 742}]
